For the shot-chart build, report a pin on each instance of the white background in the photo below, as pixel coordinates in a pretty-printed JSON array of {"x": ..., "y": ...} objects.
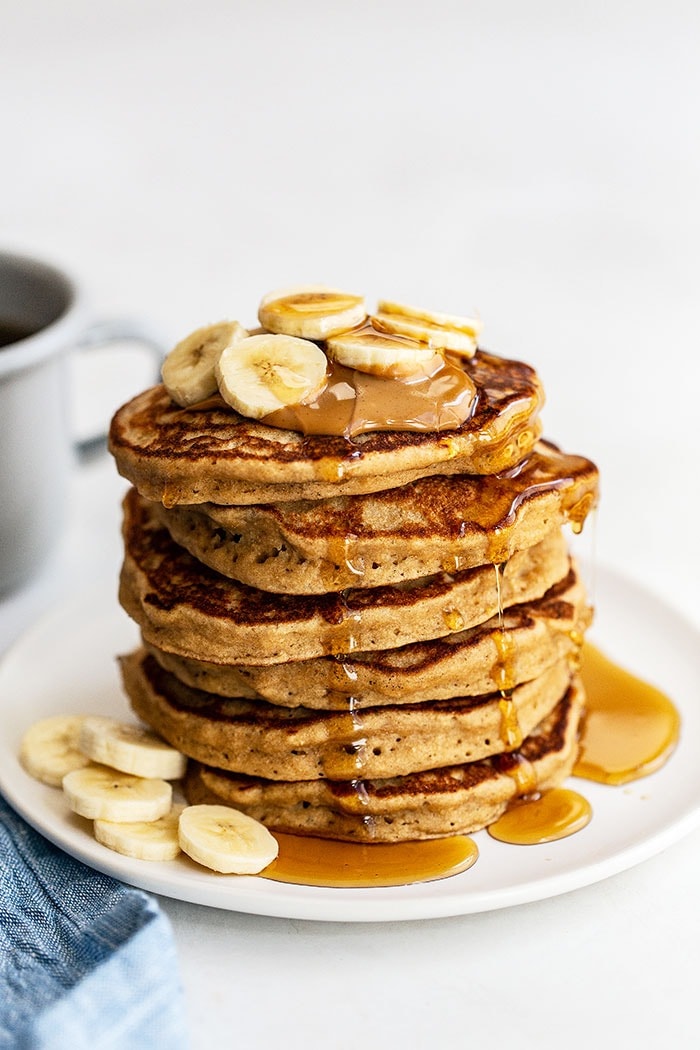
[{"x": 538, "y": 162}]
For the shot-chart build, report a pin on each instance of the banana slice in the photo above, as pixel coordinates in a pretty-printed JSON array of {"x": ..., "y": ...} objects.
[
  {"x": 49, "y": 749},
  {"x": 378, "y": 353},
  {"x": 145, "y": 840},
  {"x": 263, "y": 373},
  {"x": 188, "y": 370},
  {"x": 130, "y": 748},
  {"x": 439, "y": 330},
  {"x": 106, "y": 794},
  {"x": 311, "y": 311},
  {"x": 226, "y": 840}
]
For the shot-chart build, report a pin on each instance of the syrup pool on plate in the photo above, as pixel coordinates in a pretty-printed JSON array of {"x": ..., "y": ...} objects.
[
  {"x": 326, "y": 862},
  {"x": 630, "y": 729}
]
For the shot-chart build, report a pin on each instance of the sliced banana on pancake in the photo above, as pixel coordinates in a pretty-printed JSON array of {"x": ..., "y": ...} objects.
[
  {"x": 264, "y": 373},
  {"x": 144, "y": 840},
  {"x": 379, "y": 353},
  {"x": 440, "y": 331},
  {"x": 188, "y": 370},
  {"x": 49, "y": 749},
  {"x": 226, "y": 840},
  {"x": 130, "y": 749},
  {"x": 311, "y": 311},
  {"x": 100, "y": 793}
]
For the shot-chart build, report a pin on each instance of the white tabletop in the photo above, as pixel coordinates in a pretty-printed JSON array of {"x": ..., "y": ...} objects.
[{"x": 538, "y": 162}]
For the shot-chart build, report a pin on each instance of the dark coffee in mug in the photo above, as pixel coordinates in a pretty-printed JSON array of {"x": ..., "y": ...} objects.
[{"x": 12, "y": 332}]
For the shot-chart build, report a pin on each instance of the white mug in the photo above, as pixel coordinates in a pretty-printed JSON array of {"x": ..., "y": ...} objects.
[{"x": 42, "y": 317}]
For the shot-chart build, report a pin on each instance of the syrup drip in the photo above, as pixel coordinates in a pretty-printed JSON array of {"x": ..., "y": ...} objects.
[
  {"x": 454, "y": 620},
  {"x": 630, "y": 727},
  {"x": 343, "y": 758},
  {"x": 341, "y": 564},
  {"x": 343, "y": 631},
  {"x": 324, "y": 862},
  {"x": 521, "y": 772},
  {"x": 511, "y": 733},
  {"x": 553, "y": 815},
  {"x": 499, "y": 542},
  {"x": 503, "y": 672},
  {"x": 577, "y": 514}
]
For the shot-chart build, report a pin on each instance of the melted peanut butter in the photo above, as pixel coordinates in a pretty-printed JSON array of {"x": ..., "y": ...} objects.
[{"x": 439, "y": 396}]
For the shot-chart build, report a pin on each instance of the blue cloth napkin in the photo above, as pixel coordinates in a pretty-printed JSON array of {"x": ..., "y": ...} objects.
[{"x": 84, "y": 960}]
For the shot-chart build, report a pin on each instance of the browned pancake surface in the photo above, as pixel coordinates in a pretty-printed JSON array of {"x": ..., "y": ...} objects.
[
  {"x": 430, "y": 804},
  {"x": 183, "y": 607},
  {"x": 261, "y": 739},
  {"x": 501, "y": 653},
  {"x": 436, "y": 523},
  {"x": 177, "y": 455}
]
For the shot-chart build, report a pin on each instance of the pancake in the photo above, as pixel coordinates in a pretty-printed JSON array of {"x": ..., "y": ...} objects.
[
  {"x": 465, "y": 663},
  {"x": 261, "y": 739},
  {"x": 186, "y": 608},
  {"x": 430, "y": 804},
  {"x": 212, "y": 454},
  {"x": 436, "y": 523}
]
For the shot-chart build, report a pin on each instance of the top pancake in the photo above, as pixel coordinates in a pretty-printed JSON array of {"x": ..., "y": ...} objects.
[{"x": 212, "y": 454}]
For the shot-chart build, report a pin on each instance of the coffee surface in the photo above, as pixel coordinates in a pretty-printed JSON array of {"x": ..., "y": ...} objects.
[{"x": 11, "y": 332}]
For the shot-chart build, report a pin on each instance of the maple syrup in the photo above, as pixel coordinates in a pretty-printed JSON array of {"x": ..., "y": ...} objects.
[
  {"x": 326, "y": 862},
  {"x": 344, "y": 758},
  {"x": 630, "y": 727},
  {"x": 552, "y": 815},
  {"x": 343, "y": 629},
  {"x": 503, "y": 672},
  {"x": 629, "y": 730}
]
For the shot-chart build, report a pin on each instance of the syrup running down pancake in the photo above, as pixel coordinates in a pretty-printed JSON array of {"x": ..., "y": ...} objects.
[
  {"x": 463, "y": 663},
  {"x": 437, "y": 523}
]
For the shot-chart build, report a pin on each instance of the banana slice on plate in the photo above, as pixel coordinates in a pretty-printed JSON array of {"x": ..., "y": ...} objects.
[
  {"x": 263, "y": 373},
  {"x": 226, "y": 840},
  {"x": 49, "y": 749},
  {"x": 144, "y": 840},
  {"x": 439, "y": 330},
  {"x": 188, "y": 370},
  {"x": 130, "y": 748},
  {"x": 377, "y": 353},
  {"x": 311, "y": 311},
  {"x": 106, "y": 794}
]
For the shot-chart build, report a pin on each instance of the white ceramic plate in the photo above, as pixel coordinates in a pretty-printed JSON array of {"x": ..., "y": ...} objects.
[{"x": 66, "y": 664}]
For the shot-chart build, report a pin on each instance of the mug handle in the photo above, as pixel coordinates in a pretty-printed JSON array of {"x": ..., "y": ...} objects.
[{"x": 119, "y": 330}]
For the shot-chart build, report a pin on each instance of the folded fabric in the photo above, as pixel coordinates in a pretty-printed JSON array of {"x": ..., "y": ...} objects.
[{"x": 84, "y": 960}]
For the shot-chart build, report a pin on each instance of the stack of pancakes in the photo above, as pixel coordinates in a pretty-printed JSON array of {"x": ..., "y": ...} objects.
[{"x": 372, "y": 639}]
